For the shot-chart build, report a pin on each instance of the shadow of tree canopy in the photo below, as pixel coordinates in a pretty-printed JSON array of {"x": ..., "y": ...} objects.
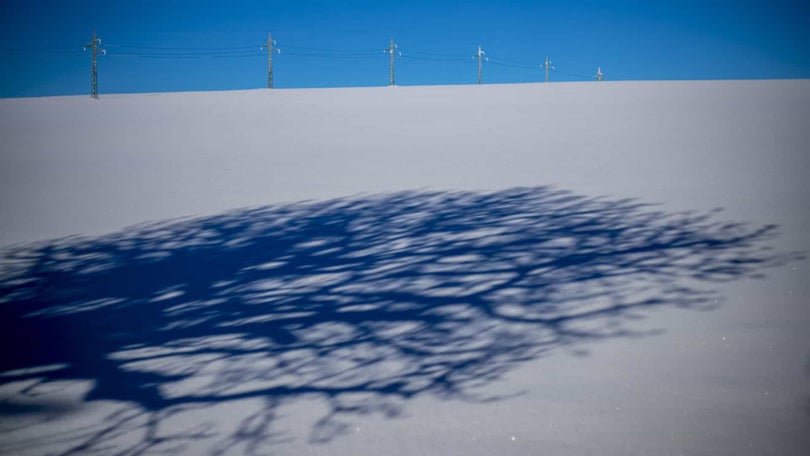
[{"x": 365, "y": 302}]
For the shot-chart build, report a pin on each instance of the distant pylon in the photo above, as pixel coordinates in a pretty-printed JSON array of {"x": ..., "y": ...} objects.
[
  {"x": 93, "y": 45},
  {"x": 548, "y": 66},
  {"x": 481, "y": 56},
  {"x": 270, "y": 50},
  {"x": 391, "y": 50},
  {"x": 599, "y": 75}
]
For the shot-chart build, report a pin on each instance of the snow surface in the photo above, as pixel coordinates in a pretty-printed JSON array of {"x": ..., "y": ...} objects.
[{"x": 498, "y": 269}]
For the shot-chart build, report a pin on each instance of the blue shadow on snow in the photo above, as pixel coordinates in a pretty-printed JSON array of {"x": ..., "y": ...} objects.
[{"x": 365, "y": 302}]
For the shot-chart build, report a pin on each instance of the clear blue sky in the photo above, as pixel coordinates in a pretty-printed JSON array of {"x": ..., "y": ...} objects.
[{"x": 158, "y": 46}]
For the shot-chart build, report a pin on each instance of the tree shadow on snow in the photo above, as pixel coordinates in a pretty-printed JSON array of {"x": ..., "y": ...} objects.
[{"x": 363, "y": 302}]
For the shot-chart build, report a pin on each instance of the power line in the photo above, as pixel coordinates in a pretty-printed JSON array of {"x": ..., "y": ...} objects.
[
  {"x": 576, "y": 75},
  {"x": 436, "y": 59},
  {"x": 270, "y": 50},
  {"x": 548, "y": 66},
  {"x": 480, "y": 55},
  {"x": 336, "y": 51},
  {"x": 94, "y": 47},
  {"x": 391, "y": 50},
  {"x": 161, "y": 48},
  {"x": 50, "y": 49},
  {"x": 249, "y": 52},
  {"x": 512, "y": 65},
  {"x": 434, "y": 54},
  {"x": 181, "y": 56},
  {"x": 374, "y": 56}
]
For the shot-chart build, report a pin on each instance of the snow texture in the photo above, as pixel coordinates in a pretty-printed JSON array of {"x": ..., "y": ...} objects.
[{"x": 569, "y": 268}]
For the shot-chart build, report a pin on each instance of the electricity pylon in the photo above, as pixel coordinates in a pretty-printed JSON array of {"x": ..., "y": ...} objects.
[
  {"x": 392, "y": 50},
  {"x": 481, "y": 56},
  {"x": 270, "y": 51},
  {"x": 93, "y": 45},
  {"x": 599, "y": 75},
  {"x": 548, "y": 66}
]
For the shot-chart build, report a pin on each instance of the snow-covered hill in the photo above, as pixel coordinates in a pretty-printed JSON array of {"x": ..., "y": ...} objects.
[
  {"x": 74, "y": 165},
  {"x": 499, "y": 269}
]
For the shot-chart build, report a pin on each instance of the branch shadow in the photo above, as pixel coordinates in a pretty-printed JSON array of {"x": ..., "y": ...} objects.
[{"x": 363, "y": 302}]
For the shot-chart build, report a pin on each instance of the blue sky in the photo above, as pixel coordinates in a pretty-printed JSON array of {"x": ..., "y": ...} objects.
[{"x": 159, "y": 46}]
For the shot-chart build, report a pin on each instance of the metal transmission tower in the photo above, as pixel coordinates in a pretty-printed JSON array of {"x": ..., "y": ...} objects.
[
  {"x": 548, "y": 66},
  {"x": 93, "y": 45},
  {"x": 599, "y": 75},
  {"x": 392, "y": 50},
  {"x": 481, "y": 56},
  {"x": 270, "y": 50}
]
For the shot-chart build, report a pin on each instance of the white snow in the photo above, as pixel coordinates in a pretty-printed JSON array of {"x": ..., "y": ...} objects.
[{"x": 733, "y": 379}]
